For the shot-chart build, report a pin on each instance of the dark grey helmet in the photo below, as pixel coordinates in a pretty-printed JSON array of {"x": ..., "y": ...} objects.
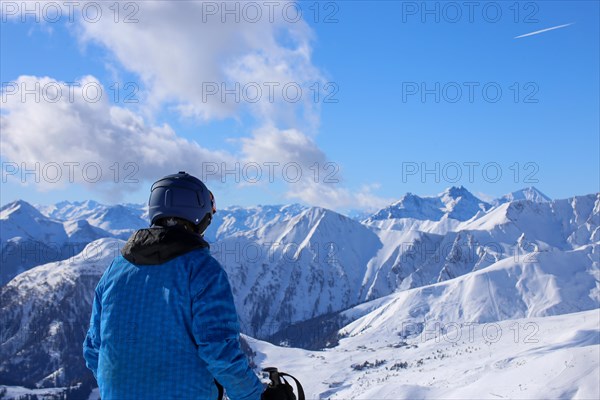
[{"x": 183, "y": 196}]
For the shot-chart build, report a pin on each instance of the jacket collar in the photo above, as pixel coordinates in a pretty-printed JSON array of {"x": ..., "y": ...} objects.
[{"x": 157, "y": 245}]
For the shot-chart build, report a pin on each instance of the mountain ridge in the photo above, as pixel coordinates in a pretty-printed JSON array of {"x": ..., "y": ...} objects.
[{"x": 295, "y": 264}]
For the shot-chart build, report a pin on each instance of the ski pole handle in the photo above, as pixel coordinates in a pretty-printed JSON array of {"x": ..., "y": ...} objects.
[{"x": 273, "y": 375}]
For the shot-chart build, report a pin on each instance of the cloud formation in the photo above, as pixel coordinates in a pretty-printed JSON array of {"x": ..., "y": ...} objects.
[
  {"x": 73, "y": 125},
  {"x": 213, "y": 60},
  {"x": 204, "y": 62}
]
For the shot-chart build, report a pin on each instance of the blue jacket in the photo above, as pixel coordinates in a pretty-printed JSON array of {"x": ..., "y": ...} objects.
[{"x": 164, "y": 324}]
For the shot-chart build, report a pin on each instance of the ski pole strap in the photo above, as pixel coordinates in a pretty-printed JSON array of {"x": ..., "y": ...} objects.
[
  {"x": 221, "y": 391},
  {"x": 298, "y": 385}
]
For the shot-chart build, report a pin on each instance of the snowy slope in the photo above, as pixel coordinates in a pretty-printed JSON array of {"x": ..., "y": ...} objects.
[
  {"x": 515, "y": 330},
  {"x": 317, "y": 269},
  {"x": 28, "y": 238},
  {"x": 296, "y": 269},
  {"x": 81, "y": 231},
  {"x": 321, "y": 262},
  {"x": 536, "y": 285},
  {"x": 44, "y": 314},
  {"x": 119, "y": 220},
  {"x": 535, "y": 358}
]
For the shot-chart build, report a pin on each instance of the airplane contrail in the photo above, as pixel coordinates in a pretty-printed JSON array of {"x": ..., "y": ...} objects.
[{"x": 543, "y": 30}]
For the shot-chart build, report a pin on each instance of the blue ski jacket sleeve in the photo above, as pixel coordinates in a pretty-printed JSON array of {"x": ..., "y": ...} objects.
[
  {"x": 167, "y": 332},
  {"x": 91, "y": 346}
]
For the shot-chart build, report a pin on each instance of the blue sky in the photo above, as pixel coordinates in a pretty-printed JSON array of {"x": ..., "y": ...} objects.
[{"x": 375, "y": 139}]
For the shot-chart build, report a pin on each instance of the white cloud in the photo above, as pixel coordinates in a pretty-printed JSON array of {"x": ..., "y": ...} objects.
[
  {"x": 186, "y": 55},
  {"x": 72, "y": 127},
  {"x": 269, "y": 144},
  {"x": 337, "y": 197},
  {"x": 187, "y": 52},
  {"x": 320, "y": 182},
  {"x": 179, "y": 50}
]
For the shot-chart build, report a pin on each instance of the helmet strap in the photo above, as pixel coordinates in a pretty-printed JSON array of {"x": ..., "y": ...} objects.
[
  {"x": 202, "y": 225},
  {"x": 174, "y": 221}
]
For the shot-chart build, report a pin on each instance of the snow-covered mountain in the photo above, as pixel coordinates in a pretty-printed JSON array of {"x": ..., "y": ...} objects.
[
  {"x": 123, "y": 219},
  {"x": 21, "y": 219},
  {"x": 535, "y": 285},
  {"x": 35, "y": 235},
  {"x": 28, "y": 238},
  {"x": 302, "y": 271},
  {"x": 118, "y": 220},
  {"x": 292, "y": 270},
  {"x": 38, "y": 235},
  {"x": 321, "y": 262},
  {"x": 235, "y": 219},
  {"x": 455, "y": 202},
  {"x": 436, "y": 214},
  {"x": 82, "y": 231},
  {"x": 493, "y": 333},
  {"x": 530, "y": 193},
  {"x": 69, "y": 210},
  {"x": 44, "y": 315}
]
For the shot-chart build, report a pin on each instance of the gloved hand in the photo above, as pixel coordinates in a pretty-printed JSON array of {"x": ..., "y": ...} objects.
[
  {"x": 279, "y": 389},
  {"x": 282, "y": 391}
]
